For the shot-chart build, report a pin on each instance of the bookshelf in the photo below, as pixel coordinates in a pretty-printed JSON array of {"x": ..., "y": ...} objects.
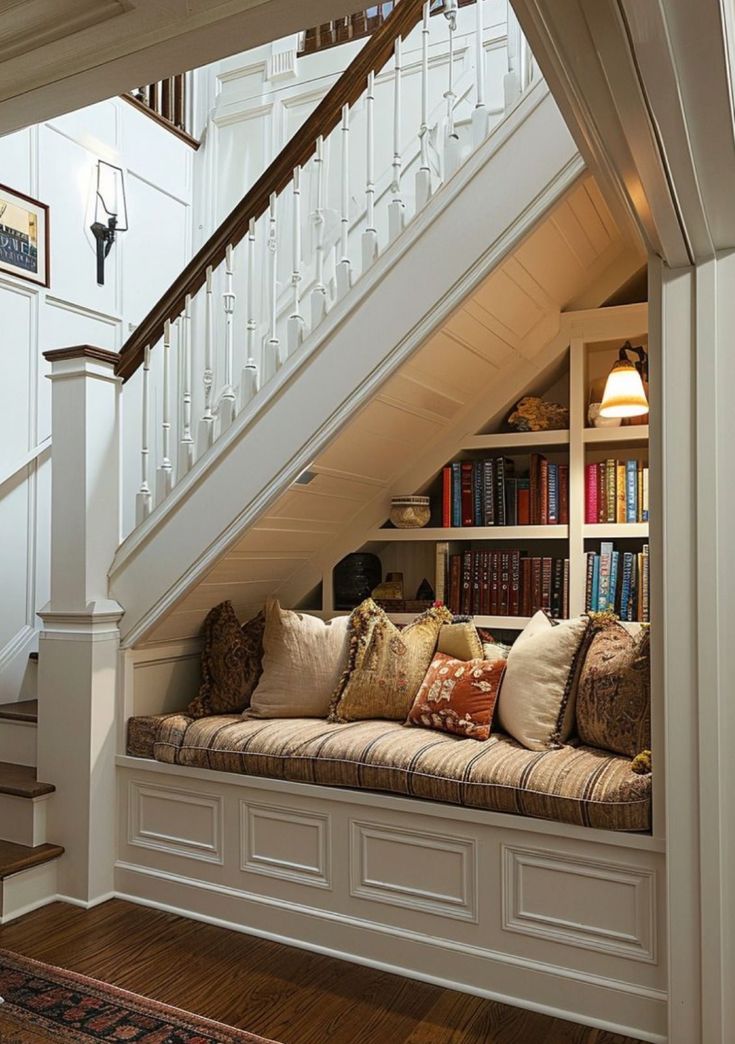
[{"x": 593, "y": 348}]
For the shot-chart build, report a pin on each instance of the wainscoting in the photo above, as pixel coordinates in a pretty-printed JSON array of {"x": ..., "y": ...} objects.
[{"x": 558, "y": 919}]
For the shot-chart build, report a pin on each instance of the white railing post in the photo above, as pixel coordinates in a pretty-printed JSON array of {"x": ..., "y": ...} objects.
[
  {"x": 275, "y": 359},
  {"x": 319, "y": 292},
  {"x": 165, "y": 477},
  {"x": 344, "y": 268},
  {"x": 423, "y": 175},
  {"x": 206, "y": 424},
  {"x": 512, "y": 79},
  {"x": 396, "y": 207},
  {"x": 249, "y": 381},
  {"x": 296, "y": 322},
  {"x": 80, "y": 640},
  {"x": 227, "y": 403},
  {"x": 452, "y": 152},
  {"x": 144, "y": 499},
  {"x": 370, "y": 235},
  {"x": 480, "y": 115},
  {"x": 186, "y": 440}
]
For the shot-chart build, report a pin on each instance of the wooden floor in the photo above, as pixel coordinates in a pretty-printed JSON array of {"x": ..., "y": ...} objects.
[{"x": 283, "y": 993}]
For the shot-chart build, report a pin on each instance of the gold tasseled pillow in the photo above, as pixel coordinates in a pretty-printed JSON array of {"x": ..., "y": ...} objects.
[
  {"x": 386, "y": 665},
  {"x": 232, "y": 659},
  {"x": 460, "y": 640}
]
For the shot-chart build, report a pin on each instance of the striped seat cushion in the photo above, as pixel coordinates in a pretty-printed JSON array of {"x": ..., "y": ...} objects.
[{"x": 579, "y": 785}]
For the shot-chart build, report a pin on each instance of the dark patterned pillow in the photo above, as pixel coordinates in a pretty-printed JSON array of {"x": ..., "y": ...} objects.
[
  {"x": 231, "y": 662},
  {"x": 614, "y": 695}
]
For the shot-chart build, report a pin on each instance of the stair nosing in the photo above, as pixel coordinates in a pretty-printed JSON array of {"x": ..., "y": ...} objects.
[
  {"x": 23, "y": 857},
  {"x": 29, "y": 789}
]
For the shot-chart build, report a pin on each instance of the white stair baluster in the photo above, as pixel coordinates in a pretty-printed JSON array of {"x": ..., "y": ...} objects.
[
  {"x": 206, "y": 424},
  {"x": 512, "y": 79},
  {"x": 423, "y": 175},
  {"x": 186, "y": 441},
  {"x": 296, "y": 324},
  {"x": 144, "y": 500},
  {"x": 165, "y": 479},
  {"x": 396, "y": 207},
  {"x": 370, "y": 235},
  {"x": 249, "y": 382},
  {"x": 344, "y": 268},
  {"x": 480, "y": 115},
  {"x": 452, "y": 152},
  {"x": 227, "y": 403},
  {"x": 319, "y": 292},
  {"x": 275, "y": 359}
]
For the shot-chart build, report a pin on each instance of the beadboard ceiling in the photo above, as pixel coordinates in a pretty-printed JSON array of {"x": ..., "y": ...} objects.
[{"x": 502, "y": 341}]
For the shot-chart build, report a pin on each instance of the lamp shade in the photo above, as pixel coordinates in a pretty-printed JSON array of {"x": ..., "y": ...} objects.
[{"x": 624, "y": 393}]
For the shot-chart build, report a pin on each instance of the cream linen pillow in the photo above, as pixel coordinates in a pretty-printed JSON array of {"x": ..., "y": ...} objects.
[
  {"x": 303, "y": 659},
  {"x": 460, "y": 640},
  {"x": 536, "y": 702}
]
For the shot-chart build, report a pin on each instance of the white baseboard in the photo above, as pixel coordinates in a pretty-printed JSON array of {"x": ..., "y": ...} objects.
[{"x": 597, "y": 1001}]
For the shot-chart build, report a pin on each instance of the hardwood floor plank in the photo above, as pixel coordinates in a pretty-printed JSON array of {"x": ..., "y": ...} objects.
[{"x": 290, "y": 995}]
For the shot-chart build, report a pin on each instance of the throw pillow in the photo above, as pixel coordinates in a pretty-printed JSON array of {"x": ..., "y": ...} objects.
[
  {"x": 303, "y": 660},
  {"x": 460, "y": 640},
  {"x": 536, "y": 703},
  {"x": 458, "y": 696},
  {"x": 386, "y": 666},
  {"x": 231, "y": 662},
  {"x": 493, "y": 651},
  {"x": 614, "y": 699}
]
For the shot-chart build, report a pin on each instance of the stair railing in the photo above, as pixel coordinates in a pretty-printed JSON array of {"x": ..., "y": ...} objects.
[{"x": 206, "y": 301}]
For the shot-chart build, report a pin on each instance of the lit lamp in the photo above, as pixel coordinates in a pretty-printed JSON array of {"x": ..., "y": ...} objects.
[
  {"x": 625, "y": 394},
  {"x": 110, "y": 207}
]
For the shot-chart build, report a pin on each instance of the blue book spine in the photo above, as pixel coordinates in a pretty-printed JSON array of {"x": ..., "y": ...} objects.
[
  {"x": 631, "y": 490},
  {"x": 477, "y": 492},
  {"x": 595, "y": 600},
  {"x": 456, "y": 494},
  {"x": 613, "y": 589},
  {"x": 625, "y": 592},
  {"x": 553, "y": 494}
]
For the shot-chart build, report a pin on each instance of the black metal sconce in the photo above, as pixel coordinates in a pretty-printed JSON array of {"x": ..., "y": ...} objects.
[{"x": 111, "y": 204}]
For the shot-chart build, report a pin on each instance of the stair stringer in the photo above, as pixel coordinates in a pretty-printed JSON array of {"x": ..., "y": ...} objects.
[{"x": 528, "y": 162}]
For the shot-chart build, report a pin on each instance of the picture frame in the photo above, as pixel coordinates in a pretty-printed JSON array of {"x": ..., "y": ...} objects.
[{"x": 24, "y": 237}]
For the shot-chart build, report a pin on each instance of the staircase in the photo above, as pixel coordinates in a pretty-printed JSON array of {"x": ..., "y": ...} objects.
[{"x": 27, "y": 863}]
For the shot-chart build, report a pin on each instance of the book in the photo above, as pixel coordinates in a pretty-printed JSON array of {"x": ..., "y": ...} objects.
[
  {"x": 552, "y": 511},
  {"x": 447, "y": 496},
  {"x": 644, "y": 498},
  {"x": 565, "y": 591},
  {"x": 610, "y": 491},
  {"x": 441, "y": 586},
  {"x": 591, "y": 484},
  {"x": 620, "y": 499},
  {"x": 467, "y": 503},
  {"x": 523, "y": 502},
  {"x": 456, "y": 494},
  {"x": 465, "y": 604},
  {"x": 543, "y": 492},
  {"x": 605, "y": 566},
  {"x": 563, "y": 494},
  {"x": 488, "y": 492},
  {"x": 477, "y": 493},
  {"x": 455, "y": 582},
  {"x": 631, "y": 491}
]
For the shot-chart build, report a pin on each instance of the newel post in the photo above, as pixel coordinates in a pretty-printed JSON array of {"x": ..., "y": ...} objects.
[{"x": 79, "y": 642}]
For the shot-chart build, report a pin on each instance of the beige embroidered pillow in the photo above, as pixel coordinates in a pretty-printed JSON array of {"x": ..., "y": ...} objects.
[
  {"x": 303, "y": 660},
  {"x": 386, "y": 666},
  {"x": 536, "y": 702},
  {"x": 231, "y": 662},
  {"x": 460, "y": 640}
]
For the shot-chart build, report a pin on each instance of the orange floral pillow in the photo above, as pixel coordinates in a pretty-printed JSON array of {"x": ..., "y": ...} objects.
[{"x": 458, "y": 696}]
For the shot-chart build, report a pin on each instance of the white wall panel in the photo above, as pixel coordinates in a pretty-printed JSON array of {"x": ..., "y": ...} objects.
[{"x": 16, "y": 160}]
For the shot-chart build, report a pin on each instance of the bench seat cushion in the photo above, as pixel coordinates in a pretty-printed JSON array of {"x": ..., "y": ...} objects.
[{"x": 579, "y": 785}]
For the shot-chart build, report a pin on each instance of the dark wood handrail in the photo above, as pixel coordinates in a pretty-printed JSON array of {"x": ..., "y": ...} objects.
[{"x": 348, "y": 89}]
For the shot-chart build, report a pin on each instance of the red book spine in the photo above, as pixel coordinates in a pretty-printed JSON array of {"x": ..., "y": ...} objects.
[
  {"x": 468, "y": 514},
  {"x": 544, "y": 491},
  {"x": 446, "y": 497},
  {"x": 494, "y": 584},
  {"x": 546, "y": 585},
  {"x": 533, "y": 494},
  {"x": 525, "y": 587},
  {"x": 504, "y": 583},
  {"x": 485, "y": 585},
  {"x": 515, "y": 583},
  {"x": 535, "y": 585},
  {"x": 563, "y": 494},
  {"x": 524, "y": 507},
  {"x": 590, "y": 502},
  {"x": 466, "y": 602},
  {"x": 455, "y": 580},
  {"x": 476, "y": 582}
]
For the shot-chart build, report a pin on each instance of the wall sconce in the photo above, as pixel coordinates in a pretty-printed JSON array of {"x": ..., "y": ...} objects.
[
  {"x": 110, "y": 212},
  {"x": 625, "y": 394}
]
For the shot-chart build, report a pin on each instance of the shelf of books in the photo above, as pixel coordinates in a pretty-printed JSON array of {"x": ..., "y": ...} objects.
[{"x": 540, "y": 519}]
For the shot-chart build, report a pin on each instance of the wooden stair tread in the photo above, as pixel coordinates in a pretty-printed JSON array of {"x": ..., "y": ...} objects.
[
  {"x": 25, "y": 710},
  {"x": 15, "y": 858},
  {"x": 20, "y": 780}
]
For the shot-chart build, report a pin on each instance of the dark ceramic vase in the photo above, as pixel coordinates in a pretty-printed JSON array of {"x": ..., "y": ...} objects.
[{"x": 354, "y": 578}]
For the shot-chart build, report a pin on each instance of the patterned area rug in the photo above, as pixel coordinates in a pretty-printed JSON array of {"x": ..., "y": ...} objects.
[{"x": 42, "y": 1003}]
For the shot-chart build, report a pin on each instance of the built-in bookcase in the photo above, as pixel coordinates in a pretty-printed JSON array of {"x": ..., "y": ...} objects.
[{"x": 414, "y": 552}]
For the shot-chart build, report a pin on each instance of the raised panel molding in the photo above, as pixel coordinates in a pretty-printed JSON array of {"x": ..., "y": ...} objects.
[
  {"x": 432, "y": 873},
  {"x": 286, "y": 843},
  {"x": 180, "y": 822},
  {"x": 606, "y": 907}
]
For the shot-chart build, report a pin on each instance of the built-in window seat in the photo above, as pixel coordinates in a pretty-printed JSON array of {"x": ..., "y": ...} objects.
[{"x": 573, "y": 784}]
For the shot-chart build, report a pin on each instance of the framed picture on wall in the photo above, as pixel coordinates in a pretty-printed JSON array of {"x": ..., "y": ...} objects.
[{"x": 24, "y": 236}]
